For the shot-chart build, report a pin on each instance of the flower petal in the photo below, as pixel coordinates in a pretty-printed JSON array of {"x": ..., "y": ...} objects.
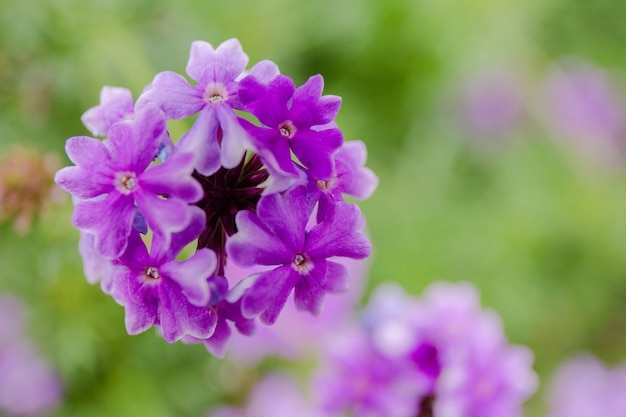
[
  {"x": 272, "y": 148},
  {"x": 269, "y": 293},
  {"x": 286, "y": 215},
  {"x": 201, "y": 56},
  {"x": 230, "y": 59},
  {"x": 267, "y": 102},
  {"x": 135, "y": 144},
  {"x": 173, "y": 95},
  {"x": 255, "y": 244},
  {"x": 349, "y": 161},
  {"x": 339, "y": 234},
  {"x": 110, "y": 220},
  {"x": 192, "y": 274},
  {"x": 94, "y": 265},
  {"x": 216, "y": 344},
  {"x": 116, "y": 103},
  {"x": 165, "y": 250},
  {"x": 315, "y": 149},
  {"x": 83, "y": 183},
  {"x": 235, "y": 139},
  {"x": 140, "y": 303},
  {"x": 325, "y": 277},
  {"x": 201, "y": 141},
  {"x": 88, "y": 153},
  {"x": 173, "y": 178},
  {"x": 179, "y": 318},
  {"x": 264, "y": 71},
  {"x": 321, "y": 109},
  {"x": 164, "y": 216}
]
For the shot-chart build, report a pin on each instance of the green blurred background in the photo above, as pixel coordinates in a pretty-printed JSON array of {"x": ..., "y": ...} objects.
[{"x": 538, "y": 225}]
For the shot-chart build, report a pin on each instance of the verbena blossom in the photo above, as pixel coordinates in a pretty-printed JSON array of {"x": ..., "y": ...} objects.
[
  {"x": 114, "y": 178},
  {"x": 288, "y": 116},
  {"x": 216, "y": 136},
  {"x": 29, "y": 386},
  {"x": 276, "y": 235},
  {"x": 155, "y": 288},
  {"x": 228, "y": 190},
  {"x": 584, "y": 387},
  {"x": 452, "y": 354},
  {"x": 296, "y": 335},
  {"x": 116, "y": 104}
]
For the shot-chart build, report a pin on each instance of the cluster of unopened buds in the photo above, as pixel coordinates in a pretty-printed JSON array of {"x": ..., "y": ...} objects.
[{"x": 257, "y": 183}]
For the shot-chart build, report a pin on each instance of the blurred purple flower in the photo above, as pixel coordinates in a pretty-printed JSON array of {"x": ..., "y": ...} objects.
[
  {"x": 490, "y": 105},
  {"x": 453, "y": 352},
  {"x": 585, "y": 108},
  {"x": 29, "y": 387},
  {"x": 357, "y": 378},
  {"x": 274, "y": 396},
  {"x": 586, "y": 387}
]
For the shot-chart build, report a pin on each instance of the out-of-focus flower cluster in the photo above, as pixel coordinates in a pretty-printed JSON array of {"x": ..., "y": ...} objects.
[
  {"x": 257, "y": 182},
  {"x": 28, "y": 385},
  {"x": 441, "y": 355},
  {"x": 586, "y": 387},
  {"x": 26, "y": 185},
  {"x": 580, "y": 105}
]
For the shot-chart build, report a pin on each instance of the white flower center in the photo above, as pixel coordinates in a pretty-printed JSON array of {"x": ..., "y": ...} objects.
[
  {"x": 302, "y": 264},
  {"x": 215, "y": 93},
  {"x": 152, "y": 273},
  {"x": 126, "y": 182},
  {"x": 287, "y": 129}
]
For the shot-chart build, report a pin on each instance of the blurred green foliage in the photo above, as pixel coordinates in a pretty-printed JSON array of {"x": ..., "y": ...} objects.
[{"x": 536, "y": 226}]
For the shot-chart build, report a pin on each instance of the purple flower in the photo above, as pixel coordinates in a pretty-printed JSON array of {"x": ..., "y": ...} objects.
[
  {"x": 205, "y": 191},
  {"x": 276, "y": 235},
  {"x": 452, "y": 350},
  {"x": 116, "y": 104},
  {"x": 276, "y": 396},
  {"x": 156, "y": 289},
  {"x": 490, "y": 105},
  {"x": 288, "y": 117},
  {"x": 216, "y": 137},
  {"x": 350, "y": 177},
  {"x": 28, "y": 384},
  {"x": 584, "y": 387},
  {"x": 114, "y": 176},
  {"x": 227, "y": 308},
  {"x": 584, "y": 108},
  {"x": 356, "y": 377},
  {"x": 296, "y": 335},
  {"x": 29, "y": 387}
]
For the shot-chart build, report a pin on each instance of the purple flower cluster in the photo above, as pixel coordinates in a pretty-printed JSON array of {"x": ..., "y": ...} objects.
[
  {"x": 28, "y": 385},
  {"x": 586, "y": 387},
  {"x": 266, "y": 194},
  {"x": 440, "y": 355}
]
